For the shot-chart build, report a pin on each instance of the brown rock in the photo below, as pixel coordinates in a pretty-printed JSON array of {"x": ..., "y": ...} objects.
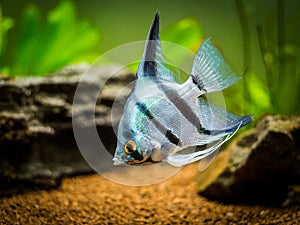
[
  {"x": 260, "y": 167},
  {"x": 37, "y": 144}
]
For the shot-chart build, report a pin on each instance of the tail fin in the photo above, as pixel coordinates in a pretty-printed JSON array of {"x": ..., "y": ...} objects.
[{"x": 210, "y": 71}]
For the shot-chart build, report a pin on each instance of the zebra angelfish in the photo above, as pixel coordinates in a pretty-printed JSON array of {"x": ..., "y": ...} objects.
[{"x": 163, "y": 117}]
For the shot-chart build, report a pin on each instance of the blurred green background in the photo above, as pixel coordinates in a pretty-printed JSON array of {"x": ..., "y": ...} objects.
[{"x": 262, "y": 36}]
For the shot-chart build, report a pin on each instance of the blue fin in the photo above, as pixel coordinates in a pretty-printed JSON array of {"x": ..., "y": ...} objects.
[
  {"x": 153, "y": 63},
  {"x": 218, "y": 120},
  {"x": 179, "y": 160},
  {"x": 210, "y": 70}
]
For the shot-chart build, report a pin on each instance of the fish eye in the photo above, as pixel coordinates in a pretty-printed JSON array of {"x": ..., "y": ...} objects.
[{"x": 129, "y": 147}]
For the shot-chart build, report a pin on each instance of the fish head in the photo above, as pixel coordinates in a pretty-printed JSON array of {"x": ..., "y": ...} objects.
[{"x": 131, "y": 148}]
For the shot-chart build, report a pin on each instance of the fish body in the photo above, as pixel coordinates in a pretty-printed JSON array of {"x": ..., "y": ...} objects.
[{"x": 162, "y": 117}]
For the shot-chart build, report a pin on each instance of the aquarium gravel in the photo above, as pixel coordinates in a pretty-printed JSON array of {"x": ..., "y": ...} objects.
[{"x": 93, "y": 200}]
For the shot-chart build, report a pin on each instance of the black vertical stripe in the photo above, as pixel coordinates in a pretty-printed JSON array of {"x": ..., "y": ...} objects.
[
  {"x": 167, "y": 132},
  {"x": 172, "y": 137},
  {"x": 149, "y": 68},
  {"x": 183, "y": 107},
  {"x": 198, "y": 82}
]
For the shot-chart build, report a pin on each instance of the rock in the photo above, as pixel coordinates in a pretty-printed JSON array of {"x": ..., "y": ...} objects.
[
  {"x": 37, "y": 144},
  {"x": 260, "y": 167}
]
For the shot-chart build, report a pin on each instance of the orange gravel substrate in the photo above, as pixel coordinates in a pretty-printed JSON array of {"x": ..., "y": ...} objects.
[{"x": 93, "y": 200}]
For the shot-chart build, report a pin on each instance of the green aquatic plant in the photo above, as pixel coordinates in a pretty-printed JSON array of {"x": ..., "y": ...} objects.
[
  {"x": 6, "y": 23},
  {"x": 278, "y": 92},
  {"x": 177, "y": 34},
  {"x": 280, "y": 57},
  {"x": 47, "y": 43}
]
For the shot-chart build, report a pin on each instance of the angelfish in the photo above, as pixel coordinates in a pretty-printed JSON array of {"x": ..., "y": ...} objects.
[{"x": 163, "y": 117}]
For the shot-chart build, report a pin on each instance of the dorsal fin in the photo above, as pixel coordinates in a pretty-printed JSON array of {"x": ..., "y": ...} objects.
[{"x": 153, "y": 62}]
